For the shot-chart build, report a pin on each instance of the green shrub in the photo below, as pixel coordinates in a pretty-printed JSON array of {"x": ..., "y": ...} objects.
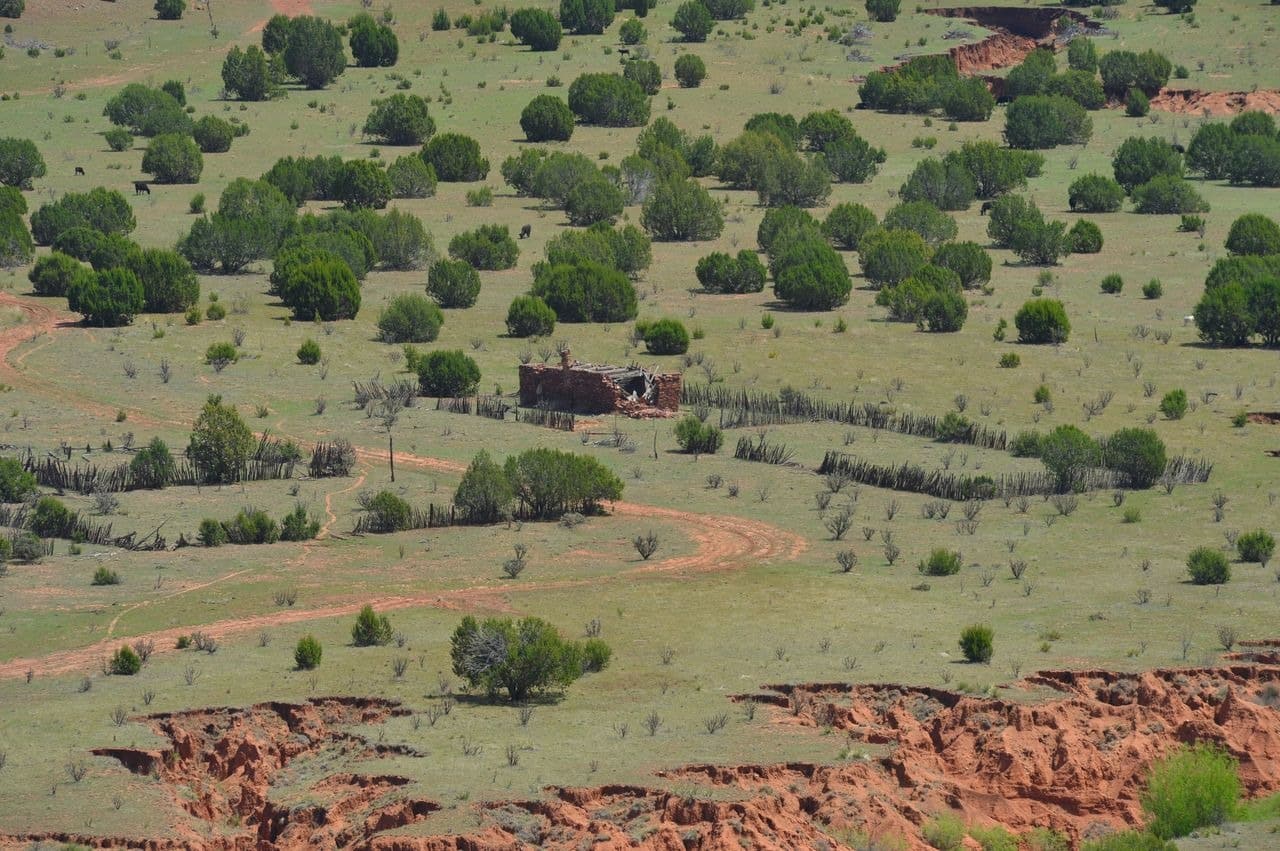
[
  {"x": 976, "y": 643},
  {"x": 488, "y": 247},
  {"x": 586, "y": 17},
  {"x": 484, "y": 494},
  {"x": 846, "y": 225},
  {"x": 1254, "y": 233},
  {"x": 1046, "y": 121},
  {"x": 968, "y": 260},
  {"x": 725, "y": 273},
  {"x": 118, "y": 139},
  {"x": 644, "y": 73},
  {"x": 1042, "y": 320},
  {"x": 1140, "y": 160},
  {"x": 1138, "y": 454},
  {"x": 1010, "y": 360},
  {"x": 361, "y": 184},
  {"x": 1068, "y": 453},
  {"x": 153, "y": 466},
  {"x": 941, "y": 562},
  {"x": 1174, "y": 404},
  {"x": 664, "y": 337},
  {"x": 1208, "y": 566},
  {"x": 884, "y": 11},
  {"x": 608, "y": 100},
  {"x": 20, "y": 162},
  {"x": 586, "y": 291},
  {"x": 595, "y": 655},
  {"x": 171, "y": 158},
  {"x": 632, "y": 31},
  {"x": 538, "y": 28},
  {"x": 1112, "y": 284},
  {"x": 534, "y": 658},
  {"x": 680, "y": 211},
  {"x": 389, "y": 513},
  {"x": 1153, "y": 289},
  {"x": 809, "y": 275},
  {"x": 547, "y": 118},
  {"x": 453, "y": 283},
  {"x": 411, "y": 178},
  {"x": 220, "y": 443},
  {"x": 1084, "y": 238},
  {"x": 16, "y": 246},
  {"x": 216, "y": 312},
  {"x": 213, "y": 135},
  {"x": 313, "y": 52},
  {"x": 298, "y": 525},
  {"x": 935, "y": 226},
  {"x": 455, "y": 158},
  {"x": 252, "y": 526},
  {"x": 1128, "y": 840},
  {"x": 309, "y": 352},
  {"x": 1194, "y": 787},
  {"x": 211, "y": 533},
  {"x": 1256, "y": 546},
  {"x": 321, "y": 289},
  {"x": 373, "y": 45},
  {"x": 693, "y": 21},
  {"x": 124, "y": 662},
  {"x": 51, "y": 519},
  {"x": 105, "y": 576},
  {"x": 447, "y": 373},
  {"x": 890, "y": 256},
  {"x": 409, "y": 318},
  {"x": 52, "y": 275},
  {"x": 370, "y": 630},
  {"x": 1025, "y": 444},
  {"x": 947, "y": 185},
  {"x": 307, "y": 653},
  {"x": 690, "y": 70},
  {"x": 1136, "y": 104},
  {"x": 1095, "y": 193},
  {"x": 103, "y": 210},
  {"x": 1165, "y": 194},
  {"x": 108, "y": 298},
  {"x": 698, "y": 438},
  {"x": 530, "y": 316}
]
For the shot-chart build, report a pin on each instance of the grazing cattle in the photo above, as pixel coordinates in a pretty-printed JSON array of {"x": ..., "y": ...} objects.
[
  {"x": 1179, "y": 148},
  {"x": 525, "y": 231},
  {"x": 986, "y": 207},
  {"x": 140, "y": 187},
  {"x": 80, "y": 170}
]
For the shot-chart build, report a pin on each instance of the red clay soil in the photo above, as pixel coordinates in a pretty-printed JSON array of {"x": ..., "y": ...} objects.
[
  {"x": 221, "y": 764},
  {"x": 1001, "y": 50},
  {"x": 1075, "y": 763},
  {"x": 1194, "y": 101},
  {"x": 1265, "y": 417}
]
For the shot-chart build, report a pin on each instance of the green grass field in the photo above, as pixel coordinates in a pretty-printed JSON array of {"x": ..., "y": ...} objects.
[{"x": 744, "y": 590}]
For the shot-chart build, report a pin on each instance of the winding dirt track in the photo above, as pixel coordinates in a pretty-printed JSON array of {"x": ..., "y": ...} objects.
[{"x": 721, "y": 542}]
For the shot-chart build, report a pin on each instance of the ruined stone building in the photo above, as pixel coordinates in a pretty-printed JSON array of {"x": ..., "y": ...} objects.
[{"x": 599, "y": 388}]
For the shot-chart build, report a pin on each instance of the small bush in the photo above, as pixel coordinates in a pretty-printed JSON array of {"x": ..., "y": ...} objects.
[
  {"x": 529, "y": 316},
  {"x": 309, "y": 352},
  {"x": 1194, "y": 787},
  {"x": 664, "y": 337},
  {"x": 1010, "y": 360},
  {"x": 1042, "y": 320},
  {"x": 941, "y": 562},
  {"x": 1208, "y": 566},
  {"x": 1112, "y": 284},
  {"x": 1256, "y": 546},
  {"x": 488, "y": 247},
  {"x": 698, "y": 438},
  {"x": 1174, "y": 404},
  {"x": 976, "y": 643},
  {"x": 690, "y": 70},
  {"x": 1136, "y": 104},
  {"x": 1153, "y": 289},
  {"x": 944, "y": 832},
  {"x": 118, "y": 139},
  {"x": 453, "y": 283},
  {"x": 370, "y": 629},
  {"x": 409, "y": 318},
  {"x": 389, "y": 513},
  {"x": 219, "y": 355},
  {"x": 105, "y": 576},
  {"x": 307, "y": 653},
  {"x": 211, "y": 533},
  {"x": 447, "y": 373},
  {"x": 124, "y": 662},
  {"x": 1084, "y": 238}
]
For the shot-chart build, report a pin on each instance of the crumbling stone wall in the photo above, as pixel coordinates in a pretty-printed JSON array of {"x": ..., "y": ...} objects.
[{"x": 571, "y": 387}]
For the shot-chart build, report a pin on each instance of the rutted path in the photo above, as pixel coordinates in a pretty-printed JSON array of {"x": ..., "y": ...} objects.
[{"x": 722, "y": 542}]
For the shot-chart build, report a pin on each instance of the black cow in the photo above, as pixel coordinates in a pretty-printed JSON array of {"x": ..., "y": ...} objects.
[
  {"x": 1179, "y": 148},
  {"x": 80, "y": 170},
  {"x": 526, "y": 231},
  {"x": 986, "y": 207},
  {"x": 140, "y": 187}
]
